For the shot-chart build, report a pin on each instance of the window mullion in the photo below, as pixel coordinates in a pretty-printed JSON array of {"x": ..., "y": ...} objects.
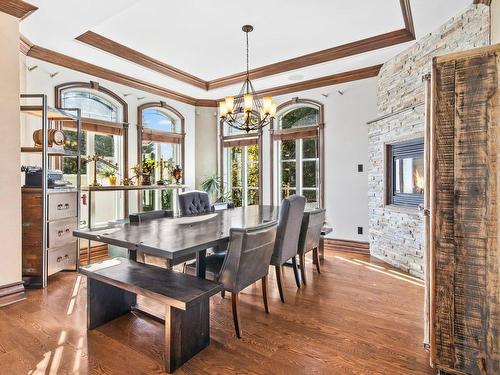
[
  {"x": 244, "y": 168},
  {"x": 298, "y": 166}
]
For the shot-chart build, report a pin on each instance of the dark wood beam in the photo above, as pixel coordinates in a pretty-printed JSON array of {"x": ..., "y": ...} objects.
[
  {"x": 485, "y": 2},
  {"x": 24, "y": 45},
  {"x": 407, "y": 16},
  {"x": 330, "y": 80},
  {"x": 117, "y": 49},
  {"x": 17, "y": 8},
  {"x": 345, "y": 50},
  {"x": 60, "y": 59}
]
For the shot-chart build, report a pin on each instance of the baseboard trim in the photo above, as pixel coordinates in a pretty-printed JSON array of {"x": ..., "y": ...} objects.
[
  {"x": 357, "y": 247},
  {"x": 12, "y": 293}
]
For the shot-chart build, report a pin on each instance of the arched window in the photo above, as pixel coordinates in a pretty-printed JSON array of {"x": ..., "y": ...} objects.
[
  {"x": 105, "y": 133},
  {"x": 240, "y": 165},
  {"x": 161, "y": 137},
  {"x": 297, "y": 151}
]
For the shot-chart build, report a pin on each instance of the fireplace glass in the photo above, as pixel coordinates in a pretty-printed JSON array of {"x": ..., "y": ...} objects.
[{"x": 406, "y": 173}]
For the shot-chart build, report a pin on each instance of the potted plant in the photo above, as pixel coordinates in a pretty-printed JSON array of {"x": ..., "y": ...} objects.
[
  {"x": 212, "y": 185},
  {"x": 110, "y": 174},
  {"x": 145, "y": 170}
]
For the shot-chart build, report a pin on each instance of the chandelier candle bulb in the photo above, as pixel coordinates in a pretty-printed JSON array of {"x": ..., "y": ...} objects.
[
  {"x": 248, "y": 98},
  {"x": 272, "y": 112},
  {"x": 222, "y": 109},
  {"x": 229, "y": 104},
  {"x": 267, "y": 102}
]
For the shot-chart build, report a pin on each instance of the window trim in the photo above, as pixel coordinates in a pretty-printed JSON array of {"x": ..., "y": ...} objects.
[
  {"x": 143, "y": 133},
  {"x": 239, "y": 140},
  {"x": 299, "y": 133}
]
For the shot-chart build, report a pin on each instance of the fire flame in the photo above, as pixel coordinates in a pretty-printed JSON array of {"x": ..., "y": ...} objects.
[{"x": 418, "y": 182}]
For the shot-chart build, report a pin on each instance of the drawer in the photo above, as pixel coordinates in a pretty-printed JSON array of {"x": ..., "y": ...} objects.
[
  {"x": 60, "y": 232},
  {"x": 62, "y": 205},
  {"x": 61, "y": 258}
]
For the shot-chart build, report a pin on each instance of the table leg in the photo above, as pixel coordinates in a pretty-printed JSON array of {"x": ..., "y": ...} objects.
[{"x": 200, "y": 264}]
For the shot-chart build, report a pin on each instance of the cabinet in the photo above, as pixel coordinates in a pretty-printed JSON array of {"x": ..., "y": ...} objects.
[{"x": 62, "y": 220}]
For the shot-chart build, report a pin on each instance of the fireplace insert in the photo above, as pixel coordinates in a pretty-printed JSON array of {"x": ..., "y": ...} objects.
[{"x": 405, "y": 173}]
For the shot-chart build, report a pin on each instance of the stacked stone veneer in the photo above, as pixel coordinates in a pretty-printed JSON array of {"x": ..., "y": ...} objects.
[{"x": 396, "y": 234}]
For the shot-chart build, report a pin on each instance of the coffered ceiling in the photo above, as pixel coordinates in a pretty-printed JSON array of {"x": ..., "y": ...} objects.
[{"x": 196, "y": 47}]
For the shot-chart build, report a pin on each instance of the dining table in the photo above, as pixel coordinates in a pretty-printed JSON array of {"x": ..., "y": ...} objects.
[{"x": 177, "y": 238}]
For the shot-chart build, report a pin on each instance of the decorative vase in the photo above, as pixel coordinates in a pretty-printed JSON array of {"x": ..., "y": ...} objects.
[
  {"x": 177, "y": 174},
  {"x": 112, "y": 180},
  {"x": 146, "y": 179}
]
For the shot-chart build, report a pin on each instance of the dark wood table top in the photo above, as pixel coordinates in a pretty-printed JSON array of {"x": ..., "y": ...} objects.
[
  {"x": 172, "y": 288},
  {"x": 174, "y": 238}
]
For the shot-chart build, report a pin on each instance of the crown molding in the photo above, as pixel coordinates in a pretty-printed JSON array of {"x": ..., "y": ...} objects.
[
  {"x": 346, "y": 50},
  {"x": 334, "y": 79},
  {"x": 117, "y": 49},
  {"x": 60, "y": 59},
  {"x": 17, "y": 8},
  {"x": 24, "y": 45},
  {"x": 350, "y": 49}
]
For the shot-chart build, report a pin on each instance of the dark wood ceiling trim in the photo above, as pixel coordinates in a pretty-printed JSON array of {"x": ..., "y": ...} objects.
[
  {"x": 334, "y": 79},
  {"x": 345, "y": 50},
  {"x": 60, "y": 59},
  {"x": 485, "y": 2},
  {"x": 407, "y": 16},
  {"x": 98, "y": 41},
  {"x": 207, "y": 103},
  {"x": 17, "y": 8},
  {"x": 24, "y": 44}
]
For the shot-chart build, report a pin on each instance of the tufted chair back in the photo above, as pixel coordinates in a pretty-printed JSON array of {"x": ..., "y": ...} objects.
[
  {"x": 194, "y": 203},
  {"x": 248, "y": 256},
  {"x": 287, "y": 236},
  {"x": 310, "y": 233}
]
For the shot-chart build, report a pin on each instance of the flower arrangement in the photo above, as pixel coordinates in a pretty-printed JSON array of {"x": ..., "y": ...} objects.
[{"x": 145, "y": 169}]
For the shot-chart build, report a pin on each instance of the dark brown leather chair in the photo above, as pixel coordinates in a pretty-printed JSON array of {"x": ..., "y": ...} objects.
[
  {"x": 246, "y": 261},
  {"x": 310, "y": 235},
  {"x": 287, "y": 238}
]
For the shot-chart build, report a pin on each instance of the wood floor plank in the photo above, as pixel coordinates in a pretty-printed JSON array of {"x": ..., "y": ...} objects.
[{"x": 360, "y": 316}]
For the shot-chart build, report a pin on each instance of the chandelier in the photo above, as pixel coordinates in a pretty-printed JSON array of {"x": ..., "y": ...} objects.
[{"x": 247, "y": 111}]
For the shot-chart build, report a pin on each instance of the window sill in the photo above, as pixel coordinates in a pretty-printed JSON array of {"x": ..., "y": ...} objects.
[{"x": 402, "y": 209}]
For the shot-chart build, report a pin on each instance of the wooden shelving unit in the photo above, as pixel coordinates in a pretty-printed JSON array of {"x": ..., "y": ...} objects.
[{"x": 41, "y": 214}]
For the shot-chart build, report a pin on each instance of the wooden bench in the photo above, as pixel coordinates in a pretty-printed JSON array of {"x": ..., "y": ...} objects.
[{"x": 112, "y": 289}]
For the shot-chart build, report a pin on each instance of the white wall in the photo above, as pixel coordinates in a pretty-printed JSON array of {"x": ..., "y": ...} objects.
[
  {"x": 10, "y": 186},
  {"x": 205, "y": 143},
  {"x": 346, "y": 146},
  {"x": 39, "y": 81},
  {"x": 495, "y": 21}
]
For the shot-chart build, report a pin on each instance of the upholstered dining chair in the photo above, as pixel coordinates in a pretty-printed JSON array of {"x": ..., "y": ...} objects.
[
  {"x": 287, "y": 238},
  {"x": 246, "y": 262},
  {"x": 194, "y": 203},
  {"x": 310, "y": 235}
]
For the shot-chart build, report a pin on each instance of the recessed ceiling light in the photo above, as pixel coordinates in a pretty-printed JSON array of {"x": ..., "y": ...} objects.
[{"x": 295, "y": 77}]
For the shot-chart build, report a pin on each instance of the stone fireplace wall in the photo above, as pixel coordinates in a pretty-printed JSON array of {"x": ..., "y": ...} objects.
[{"x": 396, "y": 233}]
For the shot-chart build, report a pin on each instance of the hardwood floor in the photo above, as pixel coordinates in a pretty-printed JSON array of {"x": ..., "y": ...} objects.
[{"x": 360, "y": 316}]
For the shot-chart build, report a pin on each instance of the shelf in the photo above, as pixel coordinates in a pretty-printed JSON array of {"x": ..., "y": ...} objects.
[
  {"x": 53, "y": 114},
  {"x": 133, "y": 187},
  {"x": 52, "y": 151}
]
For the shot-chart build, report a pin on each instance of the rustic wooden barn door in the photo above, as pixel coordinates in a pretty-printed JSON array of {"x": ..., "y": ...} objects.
[{"x": 465, "y": 227}]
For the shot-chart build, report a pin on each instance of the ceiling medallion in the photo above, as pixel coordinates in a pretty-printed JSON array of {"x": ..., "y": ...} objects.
[{"x": 247, "y": 111}]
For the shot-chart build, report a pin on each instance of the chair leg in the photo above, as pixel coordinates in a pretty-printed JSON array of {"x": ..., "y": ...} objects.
[
  {"x": 234, "y": 300},
  {"x": 296, "y": 271},
  {"x": 302, "y": 258},
  {"x": 316, "y": 256},
  {"x": 223, "y": 293},
  {"x": 264, "y": 293},
  {"x": 279, "y": 277}
]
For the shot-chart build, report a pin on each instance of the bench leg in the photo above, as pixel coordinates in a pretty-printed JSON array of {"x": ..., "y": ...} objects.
[
  {"x": 186, "y": 333},
  {"x": 106, "y": 302}
]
